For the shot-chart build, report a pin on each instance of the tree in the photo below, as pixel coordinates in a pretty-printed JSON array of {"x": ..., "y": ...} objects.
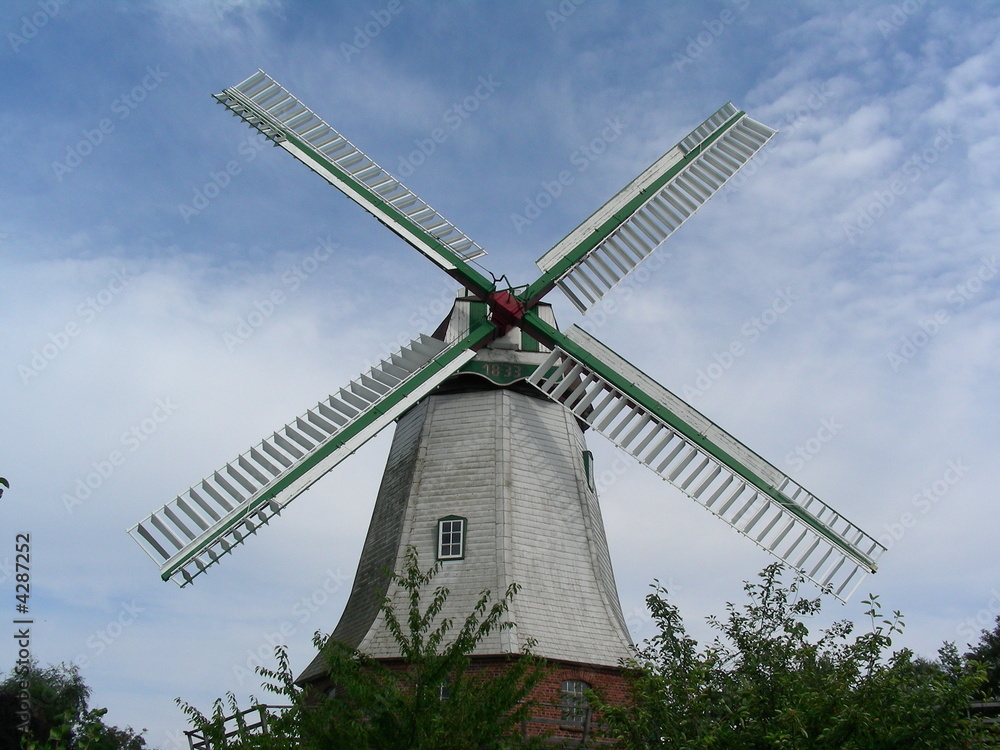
[
  {"x": 438, "y": 699},
  {"x": 987, "y": 653},
  {"x": 764, "y": 683},
  {"x": 54, "y": 701}
]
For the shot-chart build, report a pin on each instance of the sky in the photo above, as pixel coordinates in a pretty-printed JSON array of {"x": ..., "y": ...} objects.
[{"x": 835, "y": 307}]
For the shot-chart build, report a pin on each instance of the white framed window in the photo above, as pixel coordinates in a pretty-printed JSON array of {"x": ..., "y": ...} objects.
[
  {"x": 574, "y": 701},
  {"x": 451, "y": 538}
]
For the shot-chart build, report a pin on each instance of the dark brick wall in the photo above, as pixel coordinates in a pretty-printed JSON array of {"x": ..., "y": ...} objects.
[{"x": 608, "y": 681}]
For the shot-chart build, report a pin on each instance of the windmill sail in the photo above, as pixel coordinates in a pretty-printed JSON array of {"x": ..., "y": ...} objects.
[
  {"x": 606, "y": 247},
  {"x": 195, "y": 529},
  {"x": 265, "y": 105},
  {"x": 685, "y": 448}
]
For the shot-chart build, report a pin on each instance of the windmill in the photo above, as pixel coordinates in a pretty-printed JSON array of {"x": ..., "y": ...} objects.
[{"x": 488, "y": 470}]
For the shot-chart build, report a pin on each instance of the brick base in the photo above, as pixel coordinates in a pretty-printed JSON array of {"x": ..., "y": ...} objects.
[
  {"x": 610, "y": 682},
  {"x": 548, "y": 717}
]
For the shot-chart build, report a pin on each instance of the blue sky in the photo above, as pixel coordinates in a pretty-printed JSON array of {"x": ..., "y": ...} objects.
[{"x": 854, "y": 267}]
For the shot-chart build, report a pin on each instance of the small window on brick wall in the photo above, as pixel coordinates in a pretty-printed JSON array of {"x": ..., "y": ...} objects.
[
  {"x": 574, "y": 701},
  {"x": 451, "y": 538}
]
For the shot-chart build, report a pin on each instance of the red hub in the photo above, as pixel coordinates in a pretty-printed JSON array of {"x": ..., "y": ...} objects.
[{"x": 507, "y": 311}]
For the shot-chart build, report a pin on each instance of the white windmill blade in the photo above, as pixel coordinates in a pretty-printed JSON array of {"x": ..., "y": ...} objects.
[
  {"x": 202, "y": 524},
  {"x": 599, "y": 253},
  {"x": 688, "y": 450},
  {"x": 265, "y": 105}
]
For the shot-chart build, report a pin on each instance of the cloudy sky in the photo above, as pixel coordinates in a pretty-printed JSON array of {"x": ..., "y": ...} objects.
[{"x": 143, "y": 232}]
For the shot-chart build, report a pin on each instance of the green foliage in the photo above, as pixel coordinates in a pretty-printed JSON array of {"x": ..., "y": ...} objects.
[
  {"x": 987, "y": 653},
  {"x": 373, "y": 706},
  {"x": 59, "y": 717},
  {"x": 764, "y": 683}
]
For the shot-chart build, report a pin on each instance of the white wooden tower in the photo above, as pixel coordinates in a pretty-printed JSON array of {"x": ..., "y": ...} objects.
[{"x": 495, "y": 480}]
